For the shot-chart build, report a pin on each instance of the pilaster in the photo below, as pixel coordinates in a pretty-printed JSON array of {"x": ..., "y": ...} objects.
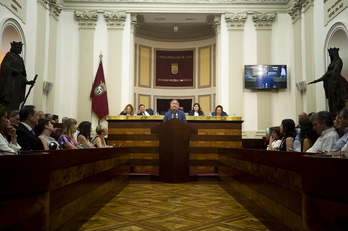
[
  {"x": 295, "y": 10},
  {"x": 263, "y": 25},
  {"x": 87, "y": 22},
  {"x": 41, "y": 58},
  {"x": 116, "y": 63},
  {"x": 235, "y": 27}
]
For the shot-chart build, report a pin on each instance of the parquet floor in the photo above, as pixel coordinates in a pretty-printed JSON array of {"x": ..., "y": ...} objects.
[{"x": 151, "y": 205}]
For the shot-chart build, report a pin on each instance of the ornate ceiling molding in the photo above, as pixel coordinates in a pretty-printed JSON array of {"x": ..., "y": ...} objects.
[
  {"x": 264, "y": 20},
  {"x": 306, "y": 4},
  {"x": 44, "y": 3},
  {"x": 185, "y": 1},
  {"x": 295, "y": 10},
  {"x": 55, "y": 8},
  {"x": 235, "y": 21},
  {"x": 134, "y": 24},
  {"x": 86, "y": 19},
  {"x": 115, "y": 19}
]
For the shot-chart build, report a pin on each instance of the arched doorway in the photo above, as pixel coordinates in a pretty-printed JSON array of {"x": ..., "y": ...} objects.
[{"x": 10, "y": 31}]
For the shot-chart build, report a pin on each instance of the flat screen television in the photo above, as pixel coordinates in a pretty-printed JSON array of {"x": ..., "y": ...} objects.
[{"x": 265, "y": 77}]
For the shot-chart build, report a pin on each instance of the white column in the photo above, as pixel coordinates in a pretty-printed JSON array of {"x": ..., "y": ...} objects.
[
  {"x": 87, "y": 22},
  {"x": 55, "y": 10},
  {"x": 296, "y": 76},
  {"x": 263, "y": 25},
  {"x": 39, "y": 99},
  {"x": 235, "y": 25}
]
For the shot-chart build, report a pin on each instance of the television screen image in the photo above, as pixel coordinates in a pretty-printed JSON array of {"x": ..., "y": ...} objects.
[{"x": 265, "y": 76}]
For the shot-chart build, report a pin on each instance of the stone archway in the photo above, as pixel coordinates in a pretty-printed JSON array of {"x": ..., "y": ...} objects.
[{"x": 10, "y": 31}]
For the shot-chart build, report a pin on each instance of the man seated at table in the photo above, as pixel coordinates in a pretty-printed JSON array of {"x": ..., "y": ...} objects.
[
  {"x": 27, "y": 138},
  {"x": 174, "y": 112},
  {"x": 144, "y": 111},
  {"x": 323, "y": 125}
]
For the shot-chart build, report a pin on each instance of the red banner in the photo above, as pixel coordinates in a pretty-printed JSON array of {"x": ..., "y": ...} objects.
[
  {"x": 99, "y": 94},
  {"x": 174, "y": 68}
]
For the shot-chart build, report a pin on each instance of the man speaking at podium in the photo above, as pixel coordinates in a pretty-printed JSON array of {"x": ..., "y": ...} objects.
[{"x": 174, "y": 112}]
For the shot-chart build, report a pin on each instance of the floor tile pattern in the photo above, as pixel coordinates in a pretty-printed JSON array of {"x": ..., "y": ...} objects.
[{"x": 151, "y": 205}]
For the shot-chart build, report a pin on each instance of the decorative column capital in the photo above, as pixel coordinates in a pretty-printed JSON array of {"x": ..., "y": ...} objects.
[
  {"x": 86, "y": 19},
  {"x": 235, "y": 21},
  {"x": 295, "y": 10},
  {"x": 55, "y": 8},
  {"x": 43, "y": 2},
  {"x": 216, "y": 25},
  {"x": 306, "y": 4},
  {"x": 115, "y": 19},
  {"x": 264, "y": 20},
  {"x": 134, "y": 24}
]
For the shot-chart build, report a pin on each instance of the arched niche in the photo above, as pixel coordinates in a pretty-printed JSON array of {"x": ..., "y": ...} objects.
[
  {"x": 10, "y": 31},
  {"x": 338, "y": 37}
]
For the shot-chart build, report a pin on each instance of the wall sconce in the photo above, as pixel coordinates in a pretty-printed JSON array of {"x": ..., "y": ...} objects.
[{"x": 176, "y": 28}]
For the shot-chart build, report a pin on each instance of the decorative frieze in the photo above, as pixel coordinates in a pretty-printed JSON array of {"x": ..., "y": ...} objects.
[
  {"x": 264, "y": 20},
  {"x": 115, "y": 19},
  {"x": 263, "y": 2},
  {"x": 295, "y": 10},
  {"x": 235, "y": 21},
  {"x": 216, "y": 24},
  {"x": 55, "y": 8},
  {"x": 86, "y": 19}
]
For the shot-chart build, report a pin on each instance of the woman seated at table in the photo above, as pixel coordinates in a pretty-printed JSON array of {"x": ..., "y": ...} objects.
[
  {"x": 99, "y": 139},
  {"x": 275, "y": 139},
  {"x": 219, "y": 111},
  {"x": 84, "y": 136},
  {"x": 67, "y": 140},
  {"x": 6, "y": 147},
  {"x": 287, "y": 130},
  {"x": 128, "y": 110},
  {"x": 45, "y": 128},
  {"x": 197, "y": 110}
]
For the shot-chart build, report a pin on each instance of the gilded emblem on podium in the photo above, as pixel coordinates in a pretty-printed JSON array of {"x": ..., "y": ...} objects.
[{"x": 175, "y": 68}]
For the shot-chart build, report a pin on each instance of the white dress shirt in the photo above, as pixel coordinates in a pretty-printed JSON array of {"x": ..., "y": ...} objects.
[
  {"x": 6, "y": 147},
  {"x": 326, "y": 141}
]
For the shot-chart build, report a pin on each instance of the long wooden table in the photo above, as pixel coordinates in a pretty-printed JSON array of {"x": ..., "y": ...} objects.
[
  {"x": 139, "y": 133},
  {"x": 49, "y": 190},
  {"x": 304, "y": 192}
]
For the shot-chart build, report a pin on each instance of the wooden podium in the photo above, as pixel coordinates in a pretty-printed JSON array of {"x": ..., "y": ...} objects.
[{"x": 174, "y": 143}]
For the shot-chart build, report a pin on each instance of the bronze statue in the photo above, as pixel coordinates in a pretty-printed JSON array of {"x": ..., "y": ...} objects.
[
  {"x": 335, "y": 85},
  {"x": 13, "y": 78}
]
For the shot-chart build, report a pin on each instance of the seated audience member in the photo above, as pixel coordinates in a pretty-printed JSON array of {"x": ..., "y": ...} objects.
[
  {"x": 196, "y": 111},
  {"x": 275, "y": 139},
  {"x": 174, "y": 112},
  {"x": 14, "y": 118},
  {"x": 323, "y": 125},
  {"x": 84, "y": 136},
  {"x": 67, "y": 140},
  {"x": 219, "y": 111},
  {"x": 26, "y": 136},
  {"x": 144, "y": 111},
  {"x": 64, "y": 119},
  {"x": 7, "y": 147},
  {"x": 55, "y": 119},
  {"x": 342, "y": 124},
  {"x": 45, "y": 128},
  {"x": 99, "y": 139},
  {"x": 308, "y": 135},
  {"x": 301, "y": 115},
  {"x": 128, "y": 110},
  {"x": 48, "y": 116},
  {"x": 41, "y": 114},
  {"x": 287, "y": 130}
]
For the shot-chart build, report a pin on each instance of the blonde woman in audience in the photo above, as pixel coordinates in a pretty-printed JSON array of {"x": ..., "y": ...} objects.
[
  {"x": 275, "y": 139},
  {"x": 45, "y": 128},
  {"x": 128, "y": 110},
  {"x": 67, "y": 140},
  {"x": 99, "y": 139},
  {"x": 41, "y": 114}
]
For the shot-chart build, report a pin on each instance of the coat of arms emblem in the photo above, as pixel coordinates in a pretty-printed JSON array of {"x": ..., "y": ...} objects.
[{"x": 175, "y": 68}]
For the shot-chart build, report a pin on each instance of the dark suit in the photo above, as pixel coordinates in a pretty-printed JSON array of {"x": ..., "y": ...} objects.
[
  {"x": 27, "y": 140},
  {"x": 149, "y": 110}
]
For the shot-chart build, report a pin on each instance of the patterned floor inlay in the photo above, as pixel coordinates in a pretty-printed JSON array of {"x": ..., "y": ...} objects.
[{"x": 149, "y": 205}]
